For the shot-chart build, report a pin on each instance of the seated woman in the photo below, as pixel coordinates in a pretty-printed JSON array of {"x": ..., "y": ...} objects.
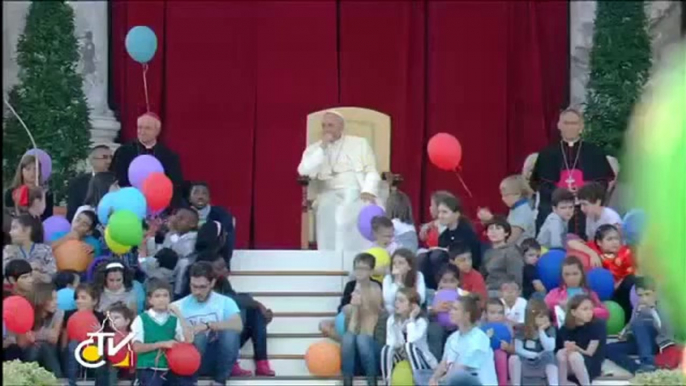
[
  {"x": 27, "y": 175},
  {"x": 27, "y": 244},
  {"x": 254, "y": 314}
]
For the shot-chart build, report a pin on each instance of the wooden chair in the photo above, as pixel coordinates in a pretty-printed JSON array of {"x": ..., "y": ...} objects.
[{"x": 372, "y": 125}]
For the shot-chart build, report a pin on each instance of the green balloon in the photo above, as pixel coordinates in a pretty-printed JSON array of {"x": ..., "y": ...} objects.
[
  {"x": 616, "y": 321},
  {"x": 126, "y": 228},
  {"x": 656, "y": 156}
]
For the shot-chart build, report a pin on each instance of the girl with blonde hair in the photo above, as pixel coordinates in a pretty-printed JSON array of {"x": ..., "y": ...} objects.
[{"x": 516, "y": 194}]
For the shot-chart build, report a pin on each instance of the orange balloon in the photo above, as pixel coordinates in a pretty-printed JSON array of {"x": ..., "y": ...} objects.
[
  {"x": 323, "y": 359},
  {"x": 73, "y": 255}
]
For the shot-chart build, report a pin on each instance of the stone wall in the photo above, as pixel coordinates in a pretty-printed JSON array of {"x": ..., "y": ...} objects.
[{"x": 665, "y": 31}]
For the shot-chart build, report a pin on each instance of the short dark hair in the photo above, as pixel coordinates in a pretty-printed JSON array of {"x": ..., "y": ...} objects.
[
  {"x": 89, "y": 289},
  {"x": 64, "y": 278},
  {"x": 459, "y": 248},
  {"x": 91, "y": 216},
  {"x": 645, "y": 283},
  {"x": 365, "y": 258},
  {"x": 167, "y": 258},
  {"x": 448, "y": 269},
  {"x": 121, "y": 308},
  {"x": 495, "y": 302},
  {"x": 561, "y": 195},
  {"x": 449, "y": 201},
  {"x": 500, "y": 221},
  {"x": 380, "y": 222},
  {"x": 28, "y": 221},
  {"x": 592, "y": 192},
  {"x": 530, "y": 243},
  {"x": 155, "y": 284},
  {"x": 17, "y": 268},
  {"x": 202, "y": 269},
  {"x": 510, "y": 279}
]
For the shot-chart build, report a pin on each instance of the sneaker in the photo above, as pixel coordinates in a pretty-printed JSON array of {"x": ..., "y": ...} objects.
[
  {"x": 237, "y": 371},
  {"x": 263, "y": 369},
  {"x": 646, "y": 369}
]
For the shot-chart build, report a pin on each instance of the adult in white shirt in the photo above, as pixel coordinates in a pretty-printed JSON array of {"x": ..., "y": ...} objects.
[
  {"x": 342, "y": 172},
  {"x": 216, "y": 322}
]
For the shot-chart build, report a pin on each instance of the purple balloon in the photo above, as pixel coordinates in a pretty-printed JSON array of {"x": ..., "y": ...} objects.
[
  {"x": 45, "y": 163},
  {"x": 90, "y": 272},
  {"x": 53, "y": 225},
  {"x": 633, "y": 296},
  {"x": 364, "y": 221},
  {"x": 141, "y": 167},
  {"x": 446, "y": 295}
]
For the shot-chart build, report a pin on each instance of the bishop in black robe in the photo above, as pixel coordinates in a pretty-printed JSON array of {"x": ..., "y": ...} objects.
[
  {"x": 569, "y": 164},
  {"x": 149, "y": 126}
]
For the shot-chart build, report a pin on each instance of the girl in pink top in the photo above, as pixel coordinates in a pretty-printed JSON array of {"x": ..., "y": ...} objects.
[{"x": 574, "y": 283}]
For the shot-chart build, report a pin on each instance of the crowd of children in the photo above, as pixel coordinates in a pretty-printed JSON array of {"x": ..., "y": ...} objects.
[
  {"x": 549, "y": 335},
  {"x": 184, "y": 258}
]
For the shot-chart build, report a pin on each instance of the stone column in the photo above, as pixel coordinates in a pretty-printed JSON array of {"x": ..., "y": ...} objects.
[
  {"x": 664, "y": 28},
  {"x": 91, "y": 30}
]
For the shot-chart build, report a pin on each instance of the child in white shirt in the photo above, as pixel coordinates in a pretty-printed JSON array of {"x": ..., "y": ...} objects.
[
  {"x": 515, "y": 305},
  {"x": 406, "y": 336},
  {"x": 404, "y": 274}
]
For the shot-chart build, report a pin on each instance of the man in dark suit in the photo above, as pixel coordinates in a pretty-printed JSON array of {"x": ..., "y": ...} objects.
[
  {"x": 100, "y": 159},
  {"x": 149, "y": 127}
]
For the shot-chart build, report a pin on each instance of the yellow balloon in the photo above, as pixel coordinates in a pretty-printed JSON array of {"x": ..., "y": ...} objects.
[
  {"x": 402, "y": 374},
  {"x": 113, "y": 245},
  {"x": 382, "y": 258}
]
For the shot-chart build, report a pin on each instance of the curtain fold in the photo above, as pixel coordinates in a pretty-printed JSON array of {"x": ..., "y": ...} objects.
[{"x": 234, "y": 82}]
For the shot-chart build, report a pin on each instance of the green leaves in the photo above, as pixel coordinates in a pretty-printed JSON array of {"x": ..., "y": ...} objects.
[
  {"x": 620, "y": 62},
  {"x": 49, "y": 96}
]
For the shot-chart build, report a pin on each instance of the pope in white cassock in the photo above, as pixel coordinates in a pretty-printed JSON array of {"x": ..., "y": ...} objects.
[{"x": 342, "y": 170}]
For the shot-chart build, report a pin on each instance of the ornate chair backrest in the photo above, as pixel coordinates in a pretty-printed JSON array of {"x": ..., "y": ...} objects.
[{"x": 370, "y": 124}]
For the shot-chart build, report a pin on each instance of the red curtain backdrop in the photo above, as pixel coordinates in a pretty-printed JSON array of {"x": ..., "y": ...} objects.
[{"x": 234, "y": 82}]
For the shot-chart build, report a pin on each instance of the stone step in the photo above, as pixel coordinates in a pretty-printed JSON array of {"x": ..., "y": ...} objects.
[
  {"x": 293, "y": 260},
  {"x": 294, "y": 281},
  {"x": 293, "y": 301}
]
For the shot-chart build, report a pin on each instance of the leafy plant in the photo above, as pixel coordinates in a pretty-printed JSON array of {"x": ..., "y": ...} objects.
[
  {"x": 620, "y": 62},
  {"x": 18, "y": 373},
  {"x": 49, "y": 96},
  {"x": 660, "y": 378}
]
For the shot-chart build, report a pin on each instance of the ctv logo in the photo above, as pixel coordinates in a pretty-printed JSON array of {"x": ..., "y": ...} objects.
[{"x": 91, "y": 352}]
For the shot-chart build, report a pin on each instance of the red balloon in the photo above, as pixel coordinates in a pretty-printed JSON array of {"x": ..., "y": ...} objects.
[
  {"x": 17, "y": 313},
  {"x": 183, "y": 359},
  {"x": 121, "y": 354},
  {"x": 158, "y": 191},
  {"x": 80, "y": 324},
  {"x": 445, "y": 151}
]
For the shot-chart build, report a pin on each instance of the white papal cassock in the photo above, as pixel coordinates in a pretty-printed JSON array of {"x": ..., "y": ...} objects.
[{"x": 337, "y": 176}]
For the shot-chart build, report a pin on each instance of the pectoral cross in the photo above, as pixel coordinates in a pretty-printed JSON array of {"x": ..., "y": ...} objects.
[{"x": 570, "y": 181}]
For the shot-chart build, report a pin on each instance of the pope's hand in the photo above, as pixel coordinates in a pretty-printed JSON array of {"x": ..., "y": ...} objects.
[
  {"x": 368, "y": 197},
  {"x": 327, "y": 138}
]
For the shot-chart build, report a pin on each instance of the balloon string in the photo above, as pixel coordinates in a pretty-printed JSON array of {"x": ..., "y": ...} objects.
[
  {"x": 33, "y": 142},
  {"x": 464, "y": 185},
  {"x": 145, "y": 87}
]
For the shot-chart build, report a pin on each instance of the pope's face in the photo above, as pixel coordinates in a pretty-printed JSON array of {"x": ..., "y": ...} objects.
[
  {"x": 332, "y": 125},
  {"x": 570, "y": 126}
]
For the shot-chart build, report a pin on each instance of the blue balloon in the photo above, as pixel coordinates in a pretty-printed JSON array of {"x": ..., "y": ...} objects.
[
  {"x": 131, "y": 199},
  {"x": 633, "y": 226},
  {"x": 500, "y": 333},
  {"x": 139, "y": 290},
  {"x": 340, "y": 324},
  {"x": 550, "y": 268},
  {"x": 601, "y": 281},
  {"x": 141, "y": 44},
  {"x": 65, "y": 299},
  {"x": 106, "y": 207}
]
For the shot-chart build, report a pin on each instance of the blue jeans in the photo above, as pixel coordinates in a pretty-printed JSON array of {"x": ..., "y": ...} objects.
[
  {"x": 453, "y": 378},
  {"x": 46, "y": 355},
  {"x": 150, "y": 377},
  {"x": 362, "y": 348},
  {"x": 72, "y": 367},
  {"x": 219, "y": 351},
  {"x": 641, "y": 342}
]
